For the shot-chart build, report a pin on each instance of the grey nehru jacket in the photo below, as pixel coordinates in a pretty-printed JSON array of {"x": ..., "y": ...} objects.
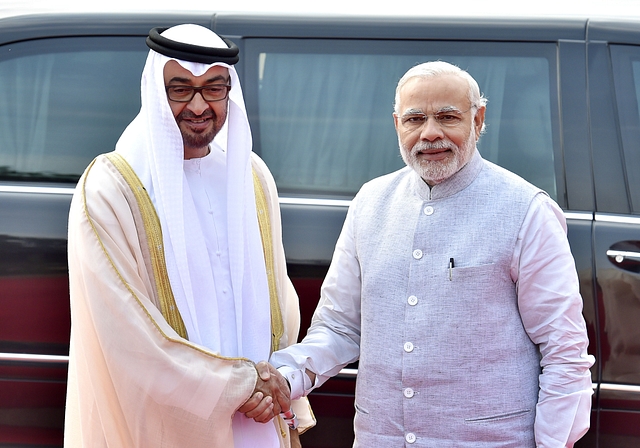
[{"x": 444, "y": 358}]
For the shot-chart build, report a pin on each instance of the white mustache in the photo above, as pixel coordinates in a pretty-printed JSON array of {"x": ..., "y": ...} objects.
[{"x": 441, "y": 144}]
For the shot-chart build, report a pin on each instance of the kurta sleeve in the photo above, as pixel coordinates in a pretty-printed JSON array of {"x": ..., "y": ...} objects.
[
  {"x": 333, "y": 339},
  {"x": 133, "y": 382},
  {"x": 551, "y": 309}
]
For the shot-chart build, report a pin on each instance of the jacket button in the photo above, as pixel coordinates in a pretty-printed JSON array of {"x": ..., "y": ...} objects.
[{"x": 408, "y": 392}]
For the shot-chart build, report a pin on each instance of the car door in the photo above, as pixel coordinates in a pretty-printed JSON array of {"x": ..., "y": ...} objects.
[{"x": 614, "y": 88}]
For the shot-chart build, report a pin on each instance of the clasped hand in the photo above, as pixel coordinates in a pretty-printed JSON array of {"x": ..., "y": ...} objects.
[{"x": 270, "y": 397}]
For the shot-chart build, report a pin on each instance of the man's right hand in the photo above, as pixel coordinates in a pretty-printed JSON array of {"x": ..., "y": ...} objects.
[{"x": 270, "y": 396}]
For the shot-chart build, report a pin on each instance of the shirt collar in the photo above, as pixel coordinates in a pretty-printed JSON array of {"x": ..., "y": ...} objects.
[{"x": 456, "y": 183}]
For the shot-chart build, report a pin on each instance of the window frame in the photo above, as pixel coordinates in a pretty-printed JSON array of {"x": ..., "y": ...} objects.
[
  {"x": 62, "y": 45},
  {"x": 253, "y": 47},
  {"x": 628, "y": 105}
]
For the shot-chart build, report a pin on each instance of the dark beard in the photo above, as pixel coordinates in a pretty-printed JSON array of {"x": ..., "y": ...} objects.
[
  {"x": 196, "y": 140},
  {"x": 192, "y": 140}
]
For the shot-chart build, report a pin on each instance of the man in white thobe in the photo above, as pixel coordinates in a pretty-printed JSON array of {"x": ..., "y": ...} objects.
[
  {"x": 177, "y": 272},
  {"x": 453, "y": 284}
]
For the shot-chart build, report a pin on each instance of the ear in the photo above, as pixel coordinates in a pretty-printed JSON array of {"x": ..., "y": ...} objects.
[
  {"x": 478, "y": 121},
  {"x": 396, "y": 121}
]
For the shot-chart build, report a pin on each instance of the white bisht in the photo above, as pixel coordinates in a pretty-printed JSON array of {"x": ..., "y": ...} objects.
[{"x": 139, "y": 373}]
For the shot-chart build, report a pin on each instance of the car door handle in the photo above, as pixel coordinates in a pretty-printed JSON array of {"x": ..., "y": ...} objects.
[
  {"x": 625, "y": 255},
  {"x": 621, "y": 255}
]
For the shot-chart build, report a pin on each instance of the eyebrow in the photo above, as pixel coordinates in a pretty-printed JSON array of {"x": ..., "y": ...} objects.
[
  {"x": 412, "y": 112},
  {"x": 208, "y": 81},
  {"x": 443, "y": 109},
  {"x": 449, "y": 109}
]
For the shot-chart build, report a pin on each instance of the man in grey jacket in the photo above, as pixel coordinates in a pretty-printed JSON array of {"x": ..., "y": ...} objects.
[{"x": 453, "y": 284}]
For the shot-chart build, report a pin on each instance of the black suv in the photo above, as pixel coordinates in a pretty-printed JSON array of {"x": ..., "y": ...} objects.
[{"x": 563, "y": 112}]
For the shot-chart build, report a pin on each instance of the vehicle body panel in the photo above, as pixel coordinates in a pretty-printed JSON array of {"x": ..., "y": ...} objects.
[{"x": 594, "y": 157}]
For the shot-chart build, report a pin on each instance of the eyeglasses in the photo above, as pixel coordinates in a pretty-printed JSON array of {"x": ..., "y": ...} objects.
[
  {"x": 184, "y": 94},
  {"x": 449, "y": 118}
]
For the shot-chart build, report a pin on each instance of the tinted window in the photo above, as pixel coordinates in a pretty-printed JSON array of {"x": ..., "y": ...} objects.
[
  {"x": 65, "y": 101},
  {"x": 324, "y": 108},
  {"x": 626, "y": 69},
  {"x": 636, "y": 78}
]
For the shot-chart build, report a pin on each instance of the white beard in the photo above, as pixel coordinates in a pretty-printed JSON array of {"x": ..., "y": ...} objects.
[{"x": 435, "y": 171}]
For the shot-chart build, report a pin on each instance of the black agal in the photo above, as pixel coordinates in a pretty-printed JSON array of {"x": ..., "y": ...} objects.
[{"x": 192, "y": 53}]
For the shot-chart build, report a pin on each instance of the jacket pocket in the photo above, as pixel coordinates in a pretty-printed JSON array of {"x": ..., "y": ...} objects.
[
  {"x": 361, "y": 410},
  {"x": 503, "y": 416}
]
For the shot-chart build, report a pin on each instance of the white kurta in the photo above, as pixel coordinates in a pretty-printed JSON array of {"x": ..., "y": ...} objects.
[{"x": 133, "y": 381}]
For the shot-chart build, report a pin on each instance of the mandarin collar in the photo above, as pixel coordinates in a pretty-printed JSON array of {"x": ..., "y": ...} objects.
[
  {"x": 192, "y": 165},
  {"x": 456, "y": 183}
]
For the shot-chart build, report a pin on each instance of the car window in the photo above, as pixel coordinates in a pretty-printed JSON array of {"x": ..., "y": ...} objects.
[
  {"x": 626, "y": 69},
  {"x": 63, "y": 102},
  {"x": 324, "y": 118}
]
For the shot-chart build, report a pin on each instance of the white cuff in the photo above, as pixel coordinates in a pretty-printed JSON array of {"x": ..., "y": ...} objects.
[{"x": 299, "y": 381}]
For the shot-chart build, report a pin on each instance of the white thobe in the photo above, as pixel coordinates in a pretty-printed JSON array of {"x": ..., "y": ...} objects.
[{"x": 207, "y": 182}]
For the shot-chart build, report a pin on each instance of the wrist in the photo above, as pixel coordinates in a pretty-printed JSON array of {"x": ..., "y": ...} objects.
[{"x": 295, "y": 381}]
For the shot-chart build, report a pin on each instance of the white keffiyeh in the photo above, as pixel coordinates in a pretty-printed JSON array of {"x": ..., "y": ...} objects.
[{"x": 153, "y": 145}]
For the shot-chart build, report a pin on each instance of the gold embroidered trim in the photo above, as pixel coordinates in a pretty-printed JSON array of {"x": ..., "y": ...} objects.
[
  {"x": 282, "y": 426},
  {"x": 153, "y": 231},
  {"x": 277, "y": 326},
  {"x": 135, "y": 296}
]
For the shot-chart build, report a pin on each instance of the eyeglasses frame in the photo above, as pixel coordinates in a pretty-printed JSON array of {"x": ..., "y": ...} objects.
[
  {"x": 435, "y": 118},
  {"x": 198, "y": 90}
]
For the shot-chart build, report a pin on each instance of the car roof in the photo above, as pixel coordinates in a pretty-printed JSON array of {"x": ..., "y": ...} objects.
[
  {"x": 26, "y": 19},
  {"x": 475, "y": 8}
]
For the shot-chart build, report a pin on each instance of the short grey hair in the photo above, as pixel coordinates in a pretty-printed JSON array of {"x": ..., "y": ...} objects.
[{"x": 438, "y": 68}]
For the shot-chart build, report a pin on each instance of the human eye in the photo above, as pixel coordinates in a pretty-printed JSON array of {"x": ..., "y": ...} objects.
[
  {"x": 413, "y": 119},
  {"x": 215, "y": 92},
  {"x": 448, "y": 118},
  {"x": 216, "y": 88},
  {"x": 180, "y": 91}
]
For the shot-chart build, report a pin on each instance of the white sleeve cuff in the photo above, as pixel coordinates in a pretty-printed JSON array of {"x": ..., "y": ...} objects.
[{"x": 299, "y": 381}]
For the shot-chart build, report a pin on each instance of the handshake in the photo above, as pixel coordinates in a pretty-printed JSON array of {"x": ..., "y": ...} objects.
[{"x": 270, "y": 397}]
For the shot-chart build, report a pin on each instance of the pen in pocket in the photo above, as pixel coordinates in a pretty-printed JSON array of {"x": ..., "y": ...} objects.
[{"x": 451, "y": 266}]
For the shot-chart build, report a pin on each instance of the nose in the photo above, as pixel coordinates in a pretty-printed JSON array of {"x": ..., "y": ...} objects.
[
  {"x": 431, "y": 130},
  {"x": 198, "y": 105}
]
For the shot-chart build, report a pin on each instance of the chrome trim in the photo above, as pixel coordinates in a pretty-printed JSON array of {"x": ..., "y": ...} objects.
[
  {"x": 313, "y": 201},
  {"x": 620, "y": 388},
  {"x": 353, "y": 373},
  {"x": 53, "y": 359},
  {"x": 580, "y": 216},
  {"x": 635, "y": 256},
  {"x": 40, "y": 359},
  {"x": 619, "y": 219},
  {"x": 37, "y": 190},
  {"x": 344, "y": 373},
  {"x": 348, "y": 373},
  {"x": 573, "y": 215}
]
